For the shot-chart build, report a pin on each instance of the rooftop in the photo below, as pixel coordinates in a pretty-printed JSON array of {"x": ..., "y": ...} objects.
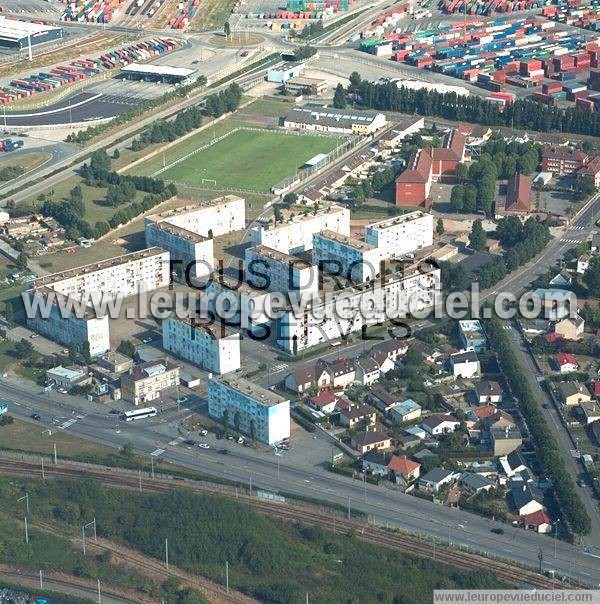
[
  {"x": 250, "y": 389},
  {"x": 298, "y": 219},
  {"x": 15, "y": 30},
  {"x": 352, "y": 242},
  {"x": 281, "y": 257},
  {"x": 182, "y": 72},
  {"x": 396, "y": 220},
  {"x": 149, "y": 369},
  {"x": 212, "y": 203},
  {"x": 97, "y": 266},
  {"x": 167, "y": 227}
]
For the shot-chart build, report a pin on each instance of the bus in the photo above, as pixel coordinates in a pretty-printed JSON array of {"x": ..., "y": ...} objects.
[{"x": 129, "y": 416}]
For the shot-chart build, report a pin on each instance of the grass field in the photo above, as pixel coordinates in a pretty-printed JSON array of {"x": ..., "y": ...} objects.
[{"x": 250, "y": 159}]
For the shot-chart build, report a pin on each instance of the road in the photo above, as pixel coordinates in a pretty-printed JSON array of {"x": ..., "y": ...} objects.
[{"x": 384, "y": 506}]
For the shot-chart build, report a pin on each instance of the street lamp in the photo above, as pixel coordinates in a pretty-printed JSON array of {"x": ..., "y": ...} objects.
[{"x": 555, "y": 535}]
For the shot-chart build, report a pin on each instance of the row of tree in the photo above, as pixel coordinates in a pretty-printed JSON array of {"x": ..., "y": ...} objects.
[
  {"x": 548, "y": 453},
  {"x": 226, "y": 101},
  {"x": 474, "y": 109}
]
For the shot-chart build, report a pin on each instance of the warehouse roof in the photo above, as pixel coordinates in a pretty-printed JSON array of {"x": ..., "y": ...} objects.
[
  {"x": 12, "y": 29},
  {"x": 164, "y": 70}
]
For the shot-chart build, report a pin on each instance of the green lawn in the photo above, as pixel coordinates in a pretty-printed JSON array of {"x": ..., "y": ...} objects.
[{"x": 250, "y": 159}]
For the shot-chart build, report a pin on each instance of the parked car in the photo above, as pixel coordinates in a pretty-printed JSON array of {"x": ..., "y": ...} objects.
[
  {"x": 182, "y": 399},
  {"x": 36, "y": 416},
  {"x": 204, "y": 446},
  {"x": 240, "y": 440},
  {"x": 498, "y": 531},
  {"x": 203, "y": 432}
]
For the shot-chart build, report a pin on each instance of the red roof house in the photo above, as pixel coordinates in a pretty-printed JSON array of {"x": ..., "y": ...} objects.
[{"x": 566, "y": 362}]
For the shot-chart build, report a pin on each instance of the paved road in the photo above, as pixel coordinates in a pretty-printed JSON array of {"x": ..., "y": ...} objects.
[{"x": 385, "y": 506}]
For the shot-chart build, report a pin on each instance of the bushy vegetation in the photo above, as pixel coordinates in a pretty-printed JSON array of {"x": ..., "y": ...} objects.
[
  {"x": 476, "y": 110},
  {"x": 225, "y": 101},
  {"x": 11, "y": 172},
  {"x": 549, "y": 455},
  {"x": 273, "y": 561}
]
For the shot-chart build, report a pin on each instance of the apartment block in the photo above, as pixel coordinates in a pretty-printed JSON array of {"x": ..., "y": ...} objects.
[
  {"x": 202, "y": 343},
  {"x": 271, "y": 269},
  {"x": 349, "y": 257},
  {"x": 149, "y": 381},
  {"x": 260, "y": 412},
  {"x": 68, "y": 296},
  {"x": 402, "y": 234},
  {"x": 390, "y": 297},
  {"x": 295, "y": 235}
]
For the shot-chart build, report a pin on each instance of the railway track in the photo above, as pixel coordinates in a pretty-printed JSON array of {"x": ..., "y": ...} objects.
[{"x": 512, "y": 575}]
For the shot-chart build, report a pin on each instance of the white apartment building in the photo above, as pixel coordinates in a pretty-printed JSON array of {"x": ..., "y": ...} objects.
[
  {"x": 402, "y": 234},
  {"x": 347, "y": 311},
  {"x": 349, "y": 257},
  {"x": 110, "y": 279},
  {"x": 193, "y": 250},
  {"x": 295, "y": 235},
  {"x": 270, "y": 269},
  {"x": 188, "y": 232},
  {"x": 260, "y": 412},
  {"x": 202, "y": 343}
]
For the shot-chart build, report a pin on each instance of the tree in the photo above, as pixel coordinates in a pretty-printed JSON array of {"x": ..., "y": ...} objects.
[
  {"x": 116, "y": 154},
  {"x": 477, "y": 238},
  {"x": 24, "y": 349},
  {"x": 289, "y": 199},
  {"x": 439, "y": 227},
  {"x": 457, "y": 198},
  {"x": 21, "y": 261},
  {"x": 277, "y": 215},
  {"x": 591, "y": 278},
  {"x": 87, "y": 357},
  {"x": 127, "y": 348},
  {"x": 127, "y": 450},
  {"x": 236, "y": 421},
  {"x": 339, "y": 97},
  {"x": 252, "y": 430},
  {"x": 227, "y": 29},
  {"x": 9, "y": 313},
  {"x": 73, "y": 351},
  {"x": 462, "y": 172},
  {"x": 225, "y": 418}
]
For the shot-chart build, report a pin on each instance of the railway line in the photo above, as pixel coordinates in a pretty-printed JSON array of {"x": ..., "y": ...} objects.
[{"x": 511, "y": 574}]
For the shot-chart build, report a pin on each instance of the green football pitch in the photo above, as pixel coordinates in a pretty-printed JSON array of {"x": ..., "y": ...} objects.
[{"x": 249, "y": 159}]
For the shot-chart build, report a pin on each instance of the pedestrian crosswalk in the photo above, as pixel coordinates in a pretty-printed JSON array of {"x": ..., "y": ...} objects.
[
  {"x": 568, "y": 240},
  {"x": 507, "y": 327},
  {"x": 279, "y": 367},
  {"x": 157, "y": 452},
  {"x": 577, "y": 228}
]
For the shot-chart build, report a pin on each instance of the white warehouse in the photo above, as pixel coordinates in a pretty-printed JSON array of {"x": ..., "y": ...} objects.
[
  {"x": 402, "y": 234},
  {"x": 202, "y": 343},
  {"x": 261, "y": 413},
  {"x": 276, "y": 271},
  {"x": 295, "y": 235}
]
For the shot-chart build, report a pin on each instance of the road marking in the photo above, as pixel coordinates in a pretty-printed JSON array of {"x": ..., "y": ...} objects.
[
  {"x": 67, "y": 424},
  {"x": 176, "y": 441},
  {"x": 157, "y": 452}
]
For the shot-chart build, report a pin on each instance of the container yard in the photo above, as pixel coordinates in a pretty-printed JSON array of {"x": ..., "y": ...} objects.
[
  {"x": 91, "y": 11},
  {"x": 184, "y": 14},
  {"x": 82, "y": 69},
  {"x": 487, "y": 7},
  {"x": 533, "y": 57},
  {"x": 586, "y": 17}
]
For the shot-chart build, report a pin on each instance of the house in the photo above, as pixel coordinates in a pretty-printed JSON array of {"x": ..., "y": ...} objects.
[
  {"x": 324, "y": 401},
  {"x": 555, "y": 303},
  {"x": 367, "y": 370},
  {"x": 573, "y": 393},
  {"x": 526, "y": 499},
  {"x": 498, "y": 419},
  {"x": 561, "y": 279},
  {"x": 435, "y": 479},
  {"x": 472, "y": 335},
  {"x": 488, "y": 391},
  {"x": 341, "y": 373},
  {"x": 369, "y": 440},
  {"x": 505, "y": 440},
  {"x": 406, "y": 468},
  {"x": 423, "y": 454},
  {"x": 375, "y": 462},
  {"x": 570, "y": 328},
  {"x": 590, "y": 411},
  {"x": 474, "y": 483},
  {"x": 386, "y": 353},
  {"x": 409, "y": 441},
  {"x": 465, "y": 364},
  {"x": 406, "y": 411},
  {"x": 583, "y": 263},
  {"x": 513, "y": 463},
  {"x": 416, "y": 431},
  {"x": 68, "y": 377},
  {"x": 357, "y": 414},
  {"x": 566, "y": 362},
  {"x": 595, "y": 244},
  {"x": 538, "y": 521},
  {"x": 596, "y": 430},
  {"x": 430, "y": 355},
  {"x": 440, "y": 423},
  {"x": 306, "y": 378},
  {"x": 383, "y": 401},
  {"x": 481, "y": 413}
]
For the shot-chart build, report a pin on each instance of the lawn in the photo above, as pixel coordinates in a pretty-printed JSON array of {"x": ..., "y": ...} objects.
[
  {"x": 28, "y": 160},
  {"x": 250, "y": 159}
]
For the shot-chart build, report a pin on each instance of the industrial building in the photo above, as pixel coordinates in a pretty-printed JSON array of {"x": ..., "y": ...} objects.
[
  {"x": 20, "y": 34},
  {"x": 70, "y": 292},
  {"x": 271, "y": 269},
  {"x": 149, "y": 381},
  {"x": 283, "y": 73},
  {"x": 260, "y": 413},
  {"x": 295, "y": 235},
  {"x": 346, "y": 256},
  {"x": 304, "y": 85},
  {"x": 157, "y": 73},
  {"x": 390, "y": 297},
  {"x": 202, "y": 343},
  {"x": 401, "y": 235},
  {"x": 321, "y": 118}
]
